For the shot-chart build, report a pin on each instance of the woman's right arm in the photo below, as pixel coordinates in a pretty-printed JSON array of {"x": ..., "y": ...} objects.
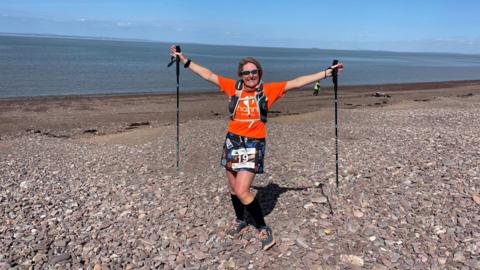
[{"x": 203, "y": 72}]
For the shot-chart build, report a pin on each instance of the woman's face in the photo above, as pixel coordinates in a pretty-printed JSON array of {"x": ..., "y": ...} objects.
[{"x": 250, "y": 75}]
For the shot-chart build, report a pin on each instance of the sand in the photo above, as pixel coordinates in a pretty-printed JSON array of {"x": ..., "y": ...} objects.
[{"x": 76, "y": 115}]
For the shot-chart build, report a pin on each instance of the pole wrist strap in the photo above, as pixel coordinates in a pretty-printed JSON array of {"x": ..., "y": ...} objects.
[{"x": 187, "y": 64}]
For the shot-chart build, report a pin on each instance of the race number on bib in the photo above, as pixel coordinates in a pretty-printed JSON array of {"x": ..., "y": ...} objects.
[{"x": 243, "y": 158}]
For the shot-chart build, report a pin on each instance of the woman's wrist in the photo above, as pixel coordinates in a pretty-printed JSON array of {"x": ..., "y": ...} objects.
[
  {"x": 183, "y": 59},
  {"x": 187, "y": 64},
  {"x": 326, "y": 72}
]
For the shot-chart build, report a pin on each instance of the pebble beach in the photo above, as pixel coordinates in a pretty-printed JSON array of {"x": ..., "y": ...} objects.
[{"x": 90, "y": 182}]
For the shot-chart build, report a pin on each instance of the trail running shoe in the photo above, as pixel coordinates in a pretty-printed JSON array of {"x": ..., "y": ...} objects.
[
  {"x": 237, "y": 227},
  {"x": 266, "y": 237}
]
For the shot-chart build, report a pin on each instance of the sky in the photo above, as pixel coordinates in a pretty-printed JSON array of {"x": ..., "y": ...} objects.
[{"x": 389, "y": 25}]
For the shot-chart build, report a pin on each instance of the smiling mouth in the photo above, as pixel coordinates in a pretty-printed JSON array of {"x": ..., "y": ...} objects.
[{"x": 251, "y": 81}]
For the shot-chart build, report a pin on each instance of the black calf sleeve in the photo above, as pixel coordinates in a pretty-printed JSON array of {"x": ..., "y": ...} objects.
[
  {"x": 238, "y": 207},
  {"x": 254, "y": 209}
]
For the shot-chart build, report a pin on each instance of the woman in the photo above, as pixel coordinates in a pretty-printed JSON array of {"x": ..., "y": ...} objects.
[{"x": 244, "y": 146}]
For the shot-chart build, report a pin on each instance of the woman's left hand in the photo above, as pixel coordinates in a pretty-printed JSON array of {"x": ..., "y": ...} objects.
[{"x": 174, "y": 53}]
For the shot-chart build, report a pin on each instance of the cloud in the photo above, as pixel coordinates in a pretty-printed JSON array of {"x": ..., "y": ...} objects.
[{"x": 124, "y": 24}]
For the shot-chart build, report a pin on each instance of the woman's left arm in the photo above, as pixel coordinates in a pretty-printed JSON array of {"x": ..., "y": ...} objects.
[{"x": 307, "y": 79}]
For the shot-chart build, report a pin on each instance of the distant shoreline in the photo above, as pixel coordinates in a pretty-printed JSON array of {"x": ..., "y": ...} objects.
[
  {"x": 388, "y": 86},
  {"x": 74, "y": 37},
  {"x": 59, "y": 36}
]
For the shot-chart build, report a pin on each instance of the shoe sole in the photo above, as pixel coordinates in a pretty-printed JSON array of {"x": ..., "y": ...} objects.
[
  {"x": 238, "y": 234},
  {"x": 265, "y": 248}
]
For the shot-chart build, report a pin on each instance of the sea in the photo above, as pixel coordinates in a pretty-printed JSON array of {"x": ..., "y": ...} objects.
[{"x": 32, "y": 66}]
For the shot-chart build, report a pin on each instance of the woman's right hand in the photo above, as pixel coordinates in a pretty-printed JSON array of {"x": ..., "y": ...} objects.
[
  {"x": 329, "y": 71},
  {"x": 174, "y": 53}
]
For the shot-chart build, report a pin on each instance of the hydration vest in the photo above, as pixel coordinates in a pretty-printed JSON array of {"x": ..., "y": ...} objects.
[{"x": 260, "y": 100}]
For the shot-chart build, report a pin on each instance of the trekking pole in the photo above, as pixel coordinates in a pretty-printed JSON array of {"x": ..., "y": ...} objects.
[
  {"x": 177, "y": 67},
  {"x": 335, "y": 80}
]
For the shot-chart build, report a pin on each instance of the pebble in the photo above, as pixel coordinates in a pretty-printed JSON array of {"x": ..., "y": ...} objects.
[
  {"x": 59, "y": 258},
  {"x": 352, "y": 260},
  {"x": 442, "y": 260},
  {"x": 459, "y": 257},
  {"x": 39, "y": 257},
  {"x": 199, "y": 255},
  {"x": 4, "y": 266},
  {"x": 476, "y": 199},
  {"x": 357, "y": 214},
  {"x": 328, "y": 231},
  {"x": 309, "y": 206},
  {"x": 301, "y": 242},
  {"x": 395, "y": 257},
  {"x": 24, "y": 185},
  {"x": 319, "y": 199}
]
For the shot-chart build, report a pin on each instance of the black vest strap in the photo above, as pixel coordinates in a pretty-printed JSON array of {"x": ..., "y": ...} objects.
[{"x": 239, "y": 85}]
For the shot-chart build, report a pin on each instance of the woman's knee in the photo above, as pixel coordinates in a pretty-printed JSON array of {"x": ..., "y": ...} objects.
[{"x": 245, "y": 195}]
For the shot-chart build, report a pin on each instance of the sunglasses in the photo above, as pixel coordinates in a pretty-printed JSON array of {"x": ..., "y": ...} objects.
[{"x": 248, "y": 72}]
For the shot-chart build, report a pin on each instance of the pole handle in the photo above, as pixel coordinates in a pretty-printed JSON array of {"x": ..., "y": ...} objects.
[
  {"x": 173, "y": 59},
  {"x": 334, "y": 71}
]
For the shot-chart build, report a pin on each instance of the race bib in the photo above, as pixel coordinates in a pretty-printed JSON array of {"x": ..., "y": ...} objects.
[{"x": 243, "y": 158}]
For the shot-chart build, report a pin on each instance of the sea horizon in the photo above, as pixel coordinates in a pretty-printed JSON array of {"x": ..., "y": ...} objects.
[{"x": 60, "y": 36}]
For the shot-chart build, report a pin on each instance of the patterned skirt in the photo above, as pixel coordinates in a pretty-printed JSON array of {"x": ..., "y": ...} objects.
[{"x": 243, "y": 154}]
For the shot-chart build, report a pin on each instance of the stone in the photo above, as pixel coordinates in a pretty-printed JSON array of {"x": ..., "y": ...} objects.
[
  {"x": 24, "y": 185},
  {"x": 319, "y": 199},
  {"x": 60, "y": 258},
  {"x": 309, "y": 206},
  {"x": 301, "y": 242},
  {"x": 352, "y": 260},
  {"x": 442, "y": 260},
  {"x": 60, "y": 243},
  {"x": 459, "y": 257},
  {"x": 199, "y": 255},
  {"x": 352, "y": 226},
  {"x": 395, "y": 257},
  {"x": 476, "y": 199},
  {"x": 230, "y": 264},
  {"x": 379, "y": 267},
  {"x": 39, "y": 257},
  {"x": 357, "y": 213},
  {"x": 328, "y": 231},
  {"x": 5, "y": 266},
  {"x": 183, "y": 211},
  {"x": 313, "y": 256},
  {"x": 250, "y": 249}
]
